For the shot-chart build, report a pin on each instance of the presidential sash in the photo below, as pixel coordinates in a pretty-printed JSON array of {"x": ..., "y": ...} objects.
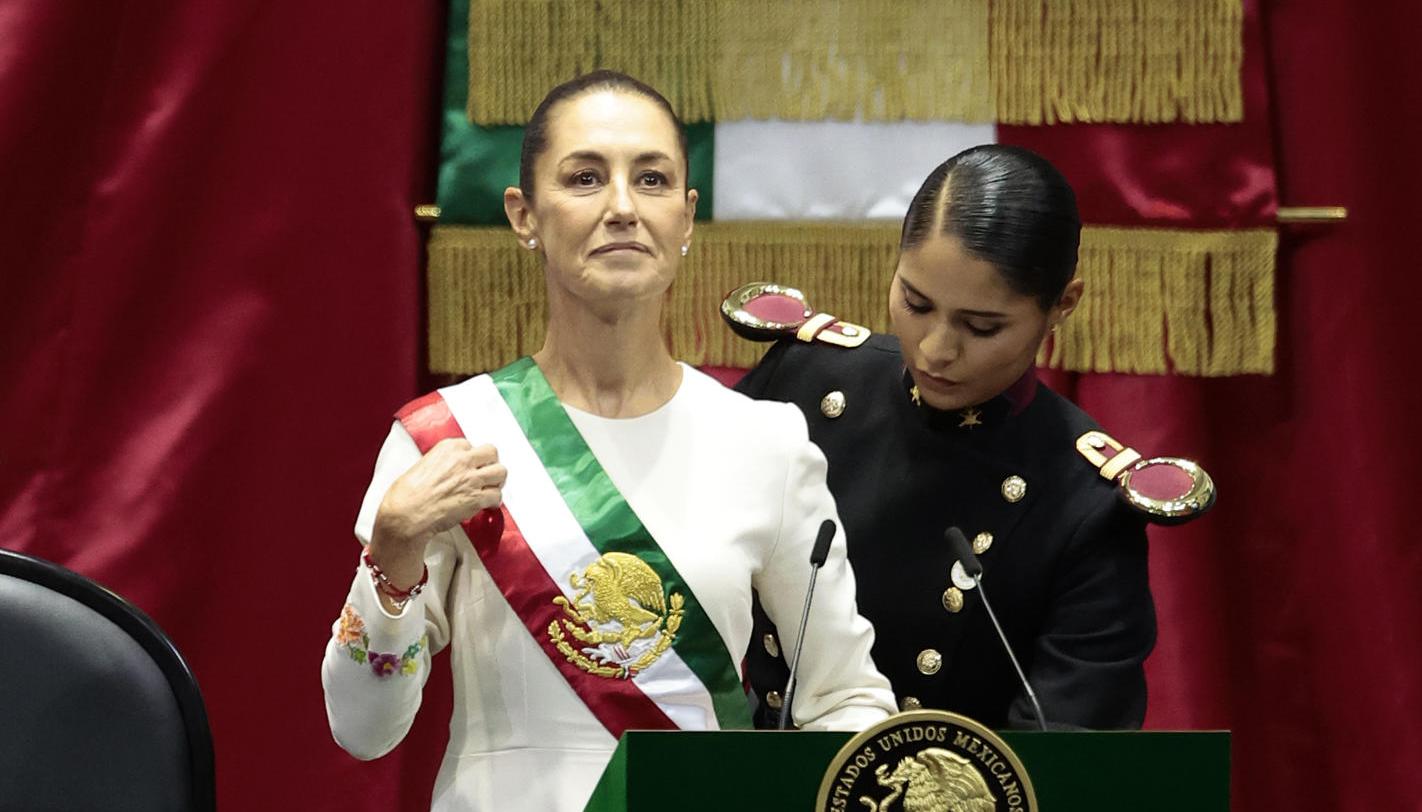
[{"x": 589, "y": 582}]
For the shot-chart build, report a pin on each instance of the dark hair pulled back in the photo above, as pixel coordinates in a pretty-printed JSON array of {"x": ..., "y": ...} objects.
[
  {"x": 535, "y": 133},
  {"x": 1007, "y": 206}
]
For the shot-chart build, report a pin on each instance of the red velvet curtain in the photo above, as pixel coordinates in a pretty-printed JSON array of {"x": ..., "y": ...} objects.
[
  {"x": 210, "y": 309},
  {"x": 209, "y": 306}
]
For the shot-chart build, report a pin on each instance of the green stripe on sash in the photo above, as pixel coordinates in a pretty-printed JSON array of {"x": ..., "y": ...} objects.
[{"x": 612, "y": 526}]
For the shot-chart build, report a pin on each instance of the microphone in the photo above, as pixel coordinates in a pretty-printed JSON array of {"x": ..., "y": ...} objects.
[
  {"x": 963, "y": 551},
  {"x": 818, "y": 554}
]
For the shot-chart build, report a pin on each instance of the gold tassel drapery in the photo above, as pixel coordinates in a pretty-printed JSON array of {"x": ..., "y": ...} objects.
[
  {"x": 1138, "y": 61},
  {"x": 1009, "y": 61},
  {"x": 1157, "y": 300}
]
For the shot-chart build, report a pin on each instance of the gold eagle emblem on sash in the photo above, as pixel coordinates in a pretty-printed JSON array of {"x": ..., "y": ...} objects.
[{"x": 621, "y": 615}]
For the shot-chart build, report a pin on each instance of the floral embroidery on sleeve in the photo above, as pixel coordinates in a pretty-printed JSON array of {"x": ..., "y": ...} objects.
[{"x": 352, "y": 637}]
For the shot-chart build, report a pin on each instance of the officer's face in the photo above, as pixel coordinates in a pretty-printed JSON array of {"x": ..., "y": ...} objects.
[
  {"x": 966, "y": 334},
  {"x": 610, "y": 208}
]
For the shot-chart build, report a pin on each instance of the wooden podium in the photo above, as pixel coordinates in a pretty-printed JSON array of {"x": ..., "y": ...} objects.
[{"x": 772, "y": 770}]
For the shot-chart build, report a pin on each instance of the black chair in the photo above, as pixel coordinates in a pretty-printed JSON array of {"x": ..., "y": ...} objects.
[{"x": 98, "y": 711}]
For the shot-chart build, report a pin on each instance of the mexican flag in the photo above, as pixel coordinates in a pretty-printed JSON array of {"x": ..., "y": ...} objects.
[{"x": 812, "y": 124}]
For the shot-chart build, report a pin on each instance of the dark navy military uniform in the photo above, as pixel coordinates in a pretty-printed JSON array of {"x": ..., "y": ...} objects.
[{"x": 1064, "y": 559}]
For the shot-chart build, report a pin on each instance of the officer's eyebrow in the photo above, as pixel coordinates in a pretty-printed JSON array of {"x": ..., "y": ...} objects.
[
  {"x": 983, "y": 314},
  {"x": 911, "y": 289}
]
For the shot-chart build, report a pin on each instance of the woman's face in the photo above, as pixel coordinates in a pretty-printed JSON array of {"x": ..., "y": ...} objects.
[
  {"x": 966, "y": 334},
  {"x": 610, "y": 206}
]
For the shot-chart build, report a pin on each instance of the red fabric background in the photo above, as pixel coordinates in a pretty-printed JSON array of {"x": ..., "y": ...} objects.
[
  {"x": 209, "y": 306},
  {"x": 1172, "y": 175}
]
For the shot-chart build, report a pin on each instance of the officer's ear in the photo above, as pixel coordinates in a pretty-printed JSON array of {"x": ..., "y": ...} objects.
[{"x": 1070, "y": 298}]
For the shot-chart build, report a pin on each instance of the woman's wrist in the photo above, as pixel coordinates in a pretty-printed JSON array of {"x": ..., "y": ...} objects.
[
  {"x": 391, "y": 592},
  {"x": 400, "y": 557}
]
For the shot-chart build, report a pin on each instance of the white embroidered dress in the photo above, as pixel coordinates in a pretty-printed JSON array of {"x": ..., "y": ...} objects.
[{"x": 733, "y": 492}]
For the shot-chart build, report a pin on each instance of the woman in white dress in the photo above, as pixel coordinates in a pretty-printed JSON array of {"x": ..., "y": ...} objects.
[{"x": 583, "y": 529}]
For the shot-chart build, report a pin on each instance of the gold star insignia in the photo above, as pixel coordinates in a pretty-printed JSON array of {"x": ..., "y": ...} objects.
[
  {"x": 971, "y": 417},
  {"x": 913, "y": 395}
]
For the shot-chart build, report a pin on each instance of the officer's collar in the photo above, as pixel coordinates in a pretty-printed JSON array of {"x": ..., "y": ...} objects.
[{"x": 1008, "y": 403}]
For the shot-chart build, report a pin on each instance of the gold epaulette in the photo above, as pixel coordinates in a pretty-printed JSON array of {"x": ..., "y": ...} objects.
[
  {"x": 764, "y": 311},
  {"x": 1167, "y": 490}
]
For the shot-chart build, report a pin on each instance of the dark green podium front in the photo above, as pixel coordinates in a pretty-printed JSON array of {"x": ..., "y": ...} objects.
[{"x": 769, "y": 770}]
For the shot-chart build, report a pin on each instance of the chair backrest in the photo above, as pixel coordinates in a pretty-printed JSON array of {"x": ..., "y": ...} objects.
[{"x": 99, "y": 710}]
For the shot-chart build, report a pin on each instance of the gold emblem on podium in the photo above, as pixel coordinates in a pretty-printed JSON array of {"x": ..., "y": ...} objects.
[
  {"x": 926, "y": 761},
  {"x": 621, "y": 615}
]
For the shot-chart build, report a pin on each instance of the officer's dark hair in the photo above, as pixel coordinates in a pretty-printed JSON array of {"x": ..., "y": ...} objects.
[
  {"x": 535, "y": 133},
  {"x": 1007, "y": 206}
]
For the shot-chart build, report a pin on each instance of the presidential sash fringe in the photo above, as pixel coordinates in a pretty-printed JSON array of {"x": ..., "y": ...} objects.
[
  {"x": 1010, "y": 61},
  {"x": 1197, "y": 303}
]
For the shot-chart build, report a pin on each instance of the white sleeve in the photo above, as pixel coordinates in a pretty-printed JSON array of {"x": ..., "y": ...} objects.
[
  {"x": 838, "y": 686},
  {"x": 376, "y": 663}
]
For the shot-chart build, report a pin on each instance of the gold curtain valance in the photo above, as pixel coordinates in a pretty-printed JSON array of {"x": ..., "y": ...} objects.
[
  {"x": 1009, "y": 61},
  {"x": 1157, "y": 300}
]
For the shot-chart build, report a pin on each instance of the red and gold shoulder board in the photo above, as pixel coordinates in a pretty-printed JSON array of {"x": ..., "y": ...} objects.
[
  {"x": 764, "y": 311},
  {"x": 1168, "y": 490}
]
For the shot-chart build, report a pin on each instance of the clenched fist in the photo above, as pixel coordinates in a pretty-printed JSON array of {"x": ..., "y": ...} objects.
[{"x": 451, "y": 483}]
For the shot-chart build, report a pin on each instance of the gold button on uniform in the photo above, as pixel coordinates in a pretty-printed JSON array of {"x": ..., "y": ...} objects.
[
  {"x": 981, "y": 542},
  {"x": 929, "y": 661},
  {"x": 832, "y": 405},
  {"x": 953, "y": 599},
  {"x": 771, "y": 646},
  {"x": 910, "y": 703},
  {"x": 1014, "y": 488},
  {"x": 773, "y": 700}
]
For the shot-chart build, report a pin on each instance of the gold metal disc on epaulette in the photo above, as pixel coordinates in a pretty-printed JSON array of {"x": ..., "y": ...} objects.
[
  {"x": 739, "y": 311},
  {"x": 1189, "y": 503}
]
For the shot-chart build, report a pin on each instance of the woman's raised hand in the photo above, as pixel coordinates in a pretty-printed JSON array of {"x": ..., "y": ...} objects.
[{"x": 451, "y": 483}]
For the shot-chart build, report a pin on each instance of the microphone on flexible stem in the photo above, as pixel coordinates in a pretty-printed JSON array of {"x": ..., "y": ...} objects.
[
  {"x": 963, "y": 551},
  {"x": 818, "y": 554}
]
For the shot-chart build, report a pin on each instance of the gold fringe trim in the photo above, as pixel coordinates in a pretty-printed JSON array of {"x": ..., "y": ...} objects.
[
  {"x": 1189, "y": 302},
  {"x": 1010, "y": 61},
  {"x": 1142, "y": 61},
  {"x": 734, "y": 59},
  {"x": 1197, "y": 303}
]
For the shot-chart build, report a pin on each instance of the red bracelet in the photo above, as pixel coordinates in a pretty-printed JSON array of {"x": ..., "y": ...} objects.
[{"x": 399, "y": 597}]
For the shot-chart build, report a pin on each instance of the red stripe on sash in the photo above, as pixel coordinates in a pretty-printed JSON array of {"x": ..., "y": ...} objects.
[{"x": 525, "y": 584}]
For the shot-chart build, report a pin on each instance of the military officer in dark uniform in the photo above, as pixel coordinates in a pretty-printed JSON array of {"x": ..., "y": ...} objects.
[{"x": 944, "y": 424}]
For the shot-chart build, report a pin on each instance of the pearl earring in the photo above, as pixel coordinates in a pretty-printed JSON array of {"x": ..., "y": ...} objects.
[
  {"x": 532, "y": 243},
  {"x": 685, "y": 249}
]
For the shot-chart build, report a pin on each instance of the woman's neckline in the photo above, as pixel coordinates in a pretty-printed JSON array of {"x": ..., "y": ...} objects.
[{"x": 665, "y": 405}]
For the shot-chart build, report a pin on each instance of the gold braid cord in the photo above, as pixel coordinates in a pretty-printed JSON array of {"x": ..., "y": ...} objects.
[
  {"x": 1010, "y": 61},
  {"x": 1157, "y": 300}
]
